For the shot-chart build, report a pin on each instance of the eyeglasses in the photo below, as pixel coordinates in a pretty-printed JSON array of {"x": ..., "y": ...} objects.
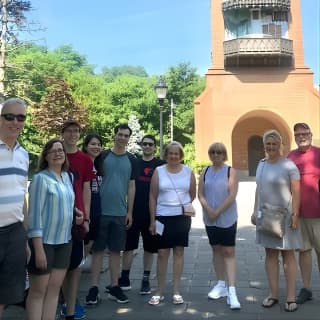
[
  {"x": 150, "y": 144},
  {"x": 11, "y": 117},
  {"x": 56, "y": 151},
  {"x": 302, "y": 134},
  {"x": 216, "y": 152}
]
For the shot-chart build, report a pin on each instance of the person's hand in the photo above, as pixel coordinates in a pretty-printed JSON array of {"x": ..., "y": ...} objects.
[
  {"x": 128, "y": 221},
  {"x": 41, "y": 259},
  {"x": 212, "y": 214},
  {"x": 28, "y": 252},
  {"x": 79, "y": 216},
  {"x": 152, "y": 228},
  {"x": 254, "y": 219},
  {"x": 294, "y": 221}
]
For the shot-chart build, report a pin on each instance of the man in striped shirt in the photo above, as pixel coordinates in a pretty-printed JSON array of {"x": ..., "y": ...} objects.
[{"x": 14, "y": 163}]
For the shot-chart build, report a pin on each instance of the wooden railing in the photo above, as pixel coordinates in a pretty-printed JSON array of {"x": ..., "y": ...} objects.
[
  {"x": 235, "y": 4},
  {"x": 247, "y": 46}
]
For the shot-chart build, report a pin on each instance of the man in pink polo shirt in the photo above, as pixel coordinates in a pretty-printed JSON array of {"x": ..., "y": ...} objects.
[{"x": 307, "y": 159}]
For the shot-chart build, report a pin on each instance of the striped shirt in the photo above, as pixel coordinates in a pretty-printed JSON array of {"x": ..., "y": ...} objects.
[
  {"x": 14, "y": 164},
  {"x": 51, "y": 202}
]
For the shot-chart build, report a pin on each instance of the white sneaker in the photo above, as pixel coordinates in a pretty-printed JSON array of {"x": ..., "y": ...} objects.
[
  {"x": 232, "y": 300},
  {"x": 218, "y": 291}
]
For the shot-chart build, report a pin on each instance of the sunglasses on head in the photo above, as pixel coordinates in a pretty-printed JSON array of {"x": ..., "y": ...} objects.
[
  {"x": 216, "y": 152},
  {"x": 11, "y": 117},
  {"x": 150, "y": 144}
]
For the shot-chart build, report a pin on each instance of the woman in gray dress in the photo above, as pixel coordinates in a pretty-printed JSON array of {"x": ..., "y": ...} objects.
[{"x": 278, "y": 184}]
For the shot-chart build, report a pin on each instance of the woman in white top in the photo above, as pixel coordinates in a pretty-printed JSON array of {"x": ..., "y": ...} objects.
[{"x": 172, "y": 185}]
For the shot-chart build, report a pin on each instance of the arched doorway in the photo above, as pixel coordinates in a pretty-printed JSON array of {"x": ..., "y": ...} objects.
[{"x": 255, "y": 153}]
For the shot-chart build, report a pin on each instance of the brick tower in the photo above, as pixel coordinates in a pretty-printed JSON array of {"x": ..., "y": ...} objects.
[{"x": 257, "y": 80}]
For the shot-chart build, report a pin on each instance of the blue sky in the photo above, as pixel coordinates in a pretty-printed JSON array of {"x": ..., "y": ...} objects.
[{"x": 152, "y": 34}]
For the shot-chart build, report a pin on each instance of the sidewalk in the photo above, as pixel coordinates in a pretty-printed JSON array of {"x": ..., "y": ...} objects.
[{"x": 198, "y": 278}]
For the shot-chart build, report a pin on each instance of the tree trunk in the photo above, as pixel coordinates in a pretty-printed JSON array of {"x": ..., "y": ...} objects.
[{"x": 4, "y": 22}]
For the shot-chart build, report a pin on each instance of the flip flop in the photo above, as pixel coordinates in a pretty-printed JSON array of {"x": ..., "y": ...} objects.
[
  {"x": 269, "y": 302},
  {"x": 290, "y": 306},
  {"x": 155, "y": 300}
]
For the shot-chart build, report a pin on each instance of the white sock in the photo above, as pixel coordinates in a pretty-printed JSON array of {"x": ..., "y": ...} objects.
[
  {"x": 232, "y": 290},
  {"x": 221, "y": 283}
]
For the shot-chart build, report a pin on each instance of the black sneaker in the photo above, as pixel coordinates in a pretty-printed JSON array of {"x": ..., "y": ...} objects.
[
  {"x": 303, "y": 296},
  {"x": 124, "y": 283},
  {"x": 93, "y": 296},
  {"x": 145, "y": 286},
  {"x": 116, "y": 293}
]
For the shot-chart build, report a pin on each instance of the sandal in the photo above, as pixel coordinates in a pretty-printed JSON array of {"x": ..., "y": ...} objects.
[
  {"x": 290, "y": 306},
  {"x": 269, "y": 302},
  {"x": 155, "y": 300},
  {"x": 177, "y": 299}
]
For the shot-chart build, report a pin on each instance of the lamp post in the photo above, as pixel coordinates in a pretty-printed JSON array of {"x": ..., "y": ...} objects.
[
  {"x": 172, "y": 106},
  {"x": 161, "y": 92}
]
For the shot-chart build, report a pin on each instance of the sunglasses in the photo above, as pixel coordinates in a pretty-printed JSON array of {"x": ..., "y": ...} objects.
[
  {"x": 11, "y": 117},
  {"x": 302, "y": 134},
  {"x": 150, "y": 144},
  {"x": 216, "y": 152}
]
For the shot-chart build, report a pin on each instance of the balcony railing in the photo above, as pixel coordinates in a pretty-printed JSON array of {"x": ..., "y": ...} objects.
[
  {"x": 254, "y": 46},
  {"x": 236, "y": 4}
]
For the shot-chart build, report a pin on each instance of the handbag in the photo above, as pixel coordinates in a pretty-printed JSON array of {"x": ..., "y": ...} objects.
[
  {"x": 188, "y": 210},
  {"x": 272, "y": 220}
]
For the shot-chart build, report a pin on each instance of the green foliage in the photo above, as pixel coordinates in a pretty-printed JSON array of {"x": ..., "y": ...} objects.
[{"x": 109, "y": 74}]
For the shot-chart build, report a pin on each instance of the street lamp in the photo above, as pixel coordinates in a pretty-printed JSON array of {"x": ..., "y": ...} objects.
[{"x": 161, "y": 92}]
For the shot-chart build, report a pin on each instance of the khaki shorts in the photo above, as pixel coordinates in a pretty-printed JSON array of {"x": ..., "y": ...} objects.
[{"x": 311, "y": 233}]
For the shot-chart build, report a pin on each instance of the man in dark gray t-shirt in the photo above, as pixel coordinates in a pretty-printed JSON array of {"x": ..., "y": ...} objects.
[{"x": 117, "y": 168}]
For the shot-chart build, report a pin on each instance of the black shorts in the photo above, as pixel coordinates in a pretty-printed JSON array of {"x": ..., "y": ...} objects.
[
  {"x": 133, "y": 235},
  {"x": 93, "y": 227},
  {"x": 175, "y": 233},
  {"x": 222, "y": 236},
  {"x": 58, "y": 257},
  {"x": 111, "y": 234},
  {"x": 77, "y": 254},
  {"x": 13, "y": 261}
]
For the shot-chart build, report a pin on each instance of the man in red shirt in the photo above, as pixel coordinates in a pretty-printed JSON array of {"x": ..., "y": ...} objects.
[
  {"x": 307, "y": 159},
  {"x": 81, "y": 167}
]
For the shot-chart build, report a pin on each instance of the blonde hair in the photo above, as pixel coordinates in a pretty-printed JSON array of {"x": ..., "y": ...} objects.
[
  {"x": 174, "y": 144},
  {"x": 219, "y": 146},
  {"x": 274, "y": 134}
]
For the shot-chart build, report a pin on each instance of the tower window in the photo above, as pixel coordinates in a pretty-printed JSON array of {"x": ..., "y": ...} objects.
[
  {"x": 280, "y": 16},
  {"x": 255, "y": 15}
]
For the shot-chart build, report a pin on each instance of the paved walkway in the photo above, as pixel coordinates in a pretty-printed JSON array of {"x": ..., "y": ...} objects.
[{"x": 198, "y": 278}]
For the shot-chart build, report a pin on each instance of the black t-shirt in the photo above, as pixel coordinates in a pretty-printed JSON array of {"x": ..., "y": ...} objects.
[{"x": 144, "y": 172}]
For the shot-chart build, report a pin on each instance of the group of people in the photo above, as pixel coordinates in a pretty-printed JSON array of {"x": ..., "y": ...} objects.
[{"x": 115, "y": 197}]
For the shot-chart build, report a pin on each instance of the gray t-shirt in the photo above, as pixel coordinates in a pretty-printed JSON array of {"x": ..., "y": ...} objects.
[{"x": 118, "y": 171}]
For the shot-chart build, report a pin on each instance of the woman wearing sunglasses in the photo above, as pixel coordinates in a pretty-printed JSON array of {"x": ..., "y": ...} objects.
[{"x": 217, "y": 191}]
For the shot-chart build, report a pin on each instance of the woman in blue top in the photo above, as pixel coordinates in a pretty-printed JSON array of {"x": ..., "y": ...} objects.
[
  {"x": 217, "y": 191},
  {"x": 51, "y": 201}
]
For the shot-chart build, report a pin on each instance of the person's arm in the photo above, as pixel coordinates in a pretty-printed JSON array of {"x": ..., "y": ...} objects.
[
  {"x": 130, "y": 201},
  {"x": 233, "y": 190},
  {"x": 193, "y": 186},
  {"x": 255, "y": 208},
  {"x": 40, "y": 255},
  {"x": 201, "y": 196},
  {"x": 153, "y": 195},
  {"x": 86, "y": 193},
  {"x": 295, "y": 191}
]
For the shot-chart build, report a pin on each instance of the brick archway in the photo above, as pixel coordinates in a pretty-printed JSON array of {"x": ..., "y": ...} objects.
[{"x": 254, "y": 124}]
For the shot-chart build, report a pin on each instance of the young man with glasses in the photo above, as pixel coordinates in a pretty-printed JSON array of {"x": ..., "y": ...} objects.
[
  {"x": 117, "y": 168},
  {"x": 14, "y": 163},
  {"x": 81, "y": 167},
  {"x": 141, "y": 218},
  {"x": 307, "y": 159}
]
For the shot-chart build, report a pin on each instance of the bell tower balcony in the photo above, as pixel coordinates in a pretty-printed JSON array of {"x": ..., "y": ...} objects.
[
  {"x": 283, "y": 5},
  {"x": 258, "y": 52}
]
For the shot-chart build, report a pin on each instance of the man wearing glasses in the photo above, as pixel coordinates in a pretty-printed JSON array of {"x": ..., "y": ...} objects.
[
  {"x": 307, "y": 159},
  {"x": 14, "y": 164},
  {"x": 141, "y": 218}
]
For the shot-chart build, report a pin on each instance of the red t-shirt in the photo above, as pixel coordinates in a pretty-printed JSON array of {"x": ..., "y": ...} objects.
[
  {"x": 308, "y": 163},
  {"x": 81, "y": 167}
]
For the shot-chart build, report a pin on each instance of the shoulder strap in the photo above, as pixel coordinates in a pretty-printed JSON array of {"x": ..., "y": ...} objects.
[
  {"x": 71, "y": 177},
  {"x": 229, "y": 168},
  {"x": 205, "y": 172}
]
